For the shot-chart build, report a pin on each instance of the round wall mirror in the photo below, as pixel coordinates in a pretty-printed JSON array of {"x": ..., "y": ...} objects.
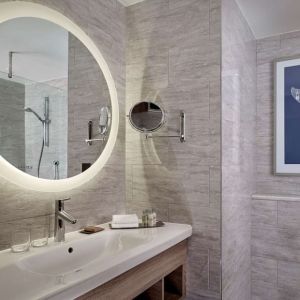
[
  {"x": 146, "y": 117},
  {"x": 52, "y": 91},
  {"x": 58, "y": 103}
]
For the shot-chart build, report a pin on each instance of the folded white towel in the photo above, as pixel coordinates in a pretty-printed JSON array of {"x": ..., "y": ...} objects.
[
  {"x": 131, "y": 225},
  {"x": 125, "y": 219}
]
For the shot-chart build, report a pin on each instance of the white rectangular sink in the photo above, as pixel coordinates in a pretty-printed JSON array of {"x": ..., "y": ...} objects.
[
  {"x": 79, "y": 254},
  {"x": 70, "y": 269}
]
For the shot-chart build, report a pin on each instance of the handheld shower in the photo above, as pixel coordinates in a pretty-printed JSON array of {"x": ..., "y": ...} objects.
[
  {"x": 28, "y": 109},
  {"x": 45, "y": 123}
]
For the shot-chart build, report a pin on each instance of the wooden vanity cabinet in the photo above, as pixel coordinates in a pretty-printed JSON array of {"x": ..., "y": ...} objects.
[{"x": 159, "y": 278}]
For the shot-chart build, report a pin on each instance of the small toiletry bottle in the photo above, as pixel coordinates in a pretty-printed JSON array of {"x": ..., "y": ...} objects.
[
  {"x": 145, "y": 218},
  {"x": 150, "y": 219},
  {"x": 154, "y": 217}
]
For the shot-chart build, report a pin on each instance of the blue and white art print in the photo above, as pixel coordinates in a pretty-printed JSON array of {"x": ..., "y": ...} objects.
[{"x": 287, "y": 117}]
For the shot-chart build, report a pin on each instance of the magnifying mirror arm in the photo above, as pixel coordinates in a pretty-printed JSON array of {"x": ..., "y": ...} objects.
[
  {"x": 181, "y": 136},
  {"x": 89, "y": 142}
]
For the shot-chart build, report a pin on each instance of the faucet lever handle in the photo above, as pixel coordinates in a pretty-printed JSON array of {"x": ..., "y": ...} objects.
[
  {"x": 60, "y": 203},
  {"x": 66, "y": 199},
  {"x": 63, "y": 200}
]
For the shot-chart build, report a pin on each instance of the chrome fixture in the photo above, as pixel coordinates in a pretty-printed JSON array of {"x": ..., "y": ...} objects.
[
  {"x": 104, "y": 120},
  {"x": 10, "y": 58},
  {"x": 28, "y": 109},
  {"x": 56, "y": 169},
  {"x": 90, "y": 142},
  {"x": 148, "y": 117},
  {"x": 181, "y": 135},
  {"x": 104, "y": 125},
  {"x": 45, "y": 123},
  {"x": 60, "y": 216},
  {"x": 90, "y": 133}
]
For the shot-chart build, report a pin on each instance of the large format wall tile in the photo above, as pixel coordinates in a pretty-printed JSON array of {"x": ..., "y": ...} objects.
[
  {"x": 275, "y": 238},
  {"x": 97, "y": 200},
  {"x": 87, "y": 94},
  {"x": 173, "y": 58},
  {"x": 173, "y": 55},
  {"x": 238, "y": 139},
  {"x": 12, "y": 119},
  {"x": 275, "y": 250}
]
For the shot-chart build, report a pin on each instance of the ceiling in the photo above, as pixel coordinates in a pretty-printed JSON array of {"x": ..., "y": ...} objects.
[
  {"x": 271, "y": 17},
  {"x": 265, "y": 17},
  {"x": 130, "y": 2},
  {"x": 41, "y": 49}
]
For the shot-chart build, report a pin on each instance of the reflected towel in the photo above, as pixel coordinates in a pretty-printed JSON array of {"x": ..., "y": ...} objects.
[{"x": 125, "y": 219}]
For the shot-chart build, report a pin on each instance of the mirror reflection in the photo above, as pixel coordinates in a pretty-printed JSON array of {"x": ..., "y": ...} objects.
[
  {"x": 146, "y": 117},
  {"x": 53, "y": 97}
]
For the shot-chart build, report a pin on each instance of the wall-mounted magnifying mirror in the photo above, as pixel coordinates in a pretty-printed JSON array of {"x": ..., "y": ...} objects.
[
  {"x": 146, "y": 117},
  {"x": 104, "y": 120},
  {"x": 103, "y": 129},
  {"x": 51, "y": 88}
]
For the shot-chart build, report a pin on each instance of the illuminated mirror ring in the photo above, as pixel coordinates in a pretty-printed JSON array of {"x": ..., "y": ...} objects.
[{"x": 19, "y": 9}]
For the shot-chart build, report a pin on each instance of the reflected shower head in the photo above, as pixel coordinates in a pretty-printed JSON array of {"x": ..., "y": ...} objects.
[{"x": 28, "y": 109}]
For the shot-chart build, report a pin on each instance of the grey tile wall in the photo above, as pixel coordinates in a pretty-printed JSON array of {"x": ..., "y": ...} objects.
[
  {"x": 97, "y": 200},
  {"x": 275, "y": 250},
  {"x": 12, "y": 141},
  {"x": 238, "y": 140},
  {"x": 87, "y": 94},
  {"x": 275, "y": 224},
  {"x": 173, "y": 58}
]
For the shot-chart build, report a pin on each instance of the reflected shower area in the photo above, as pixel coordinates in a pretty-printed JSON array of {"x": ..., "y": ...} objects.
[
  {"x": 53, "y": 98},
  {"x": 34, "y": 133}
]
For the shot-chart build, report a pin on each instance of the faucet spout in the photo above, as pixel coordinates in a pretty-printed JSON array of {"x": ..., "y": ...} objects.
[
  {"x": 60, "y": 216},
  {"x": 66, "y": 217}
]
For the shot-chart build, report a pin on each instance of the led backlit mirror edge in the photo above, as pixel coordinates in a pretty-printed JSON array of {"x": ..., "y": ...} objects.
[{"x": 17, "y": 9}]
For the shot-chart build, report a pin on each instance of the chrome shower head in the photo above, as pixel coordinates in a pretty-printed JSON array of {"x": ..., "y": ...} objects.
[{"x": 28, "y": 109}]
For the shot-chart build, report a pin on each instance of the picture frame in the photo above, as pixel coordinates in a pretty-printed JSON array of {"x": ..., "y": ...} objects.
[{"x": 287, "y": 117}]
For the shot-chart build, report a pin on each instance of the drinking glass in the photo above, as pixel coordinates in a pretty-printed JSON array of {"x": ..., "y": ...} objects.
[
  {"x": 39, "y": 234},
  {"x": 20, "y": 240}
]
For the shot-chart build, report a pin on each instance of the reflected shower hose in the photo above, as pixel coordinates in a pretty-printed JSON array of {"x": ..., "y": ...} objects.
[{"x": 40, "y": 158}]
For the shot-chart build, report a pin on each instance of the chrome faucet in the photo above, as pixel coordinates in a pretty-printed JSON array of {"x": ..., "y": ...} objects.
[{"x": 60, "y": 216}]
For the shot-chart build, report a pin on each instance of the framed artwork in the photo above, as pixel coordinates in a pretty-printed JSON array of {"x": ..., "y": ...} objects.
[{"x": 287, "y": 117}]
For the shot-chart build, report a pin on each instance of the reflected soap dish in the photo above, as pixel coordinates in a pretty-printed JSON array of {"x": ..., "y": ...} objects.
[{"x": 141, "y": 225}]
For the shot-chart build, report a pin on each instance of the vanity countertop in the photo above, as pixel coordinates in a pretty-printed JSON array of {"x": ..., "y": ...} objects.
[{"x": 70, "y": 269}]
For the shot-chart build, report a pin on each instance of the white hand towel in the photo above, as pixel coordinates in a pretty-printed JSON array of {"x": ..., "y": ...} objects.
[
  {"x": 125, "y": 219},
  {"x": 131, "y": 225}
]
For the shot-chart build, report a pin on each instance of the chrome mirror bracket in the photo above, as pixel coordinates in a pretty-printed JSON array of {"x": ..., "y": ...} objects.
[{"x": 181, "y": 136}]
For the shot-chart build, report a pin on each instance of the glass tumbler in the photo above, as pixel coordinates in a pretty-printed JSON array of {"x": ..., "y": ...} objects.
[
  {"x": 20, "y": 240},
  {"x": 39, "y": 236}
]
